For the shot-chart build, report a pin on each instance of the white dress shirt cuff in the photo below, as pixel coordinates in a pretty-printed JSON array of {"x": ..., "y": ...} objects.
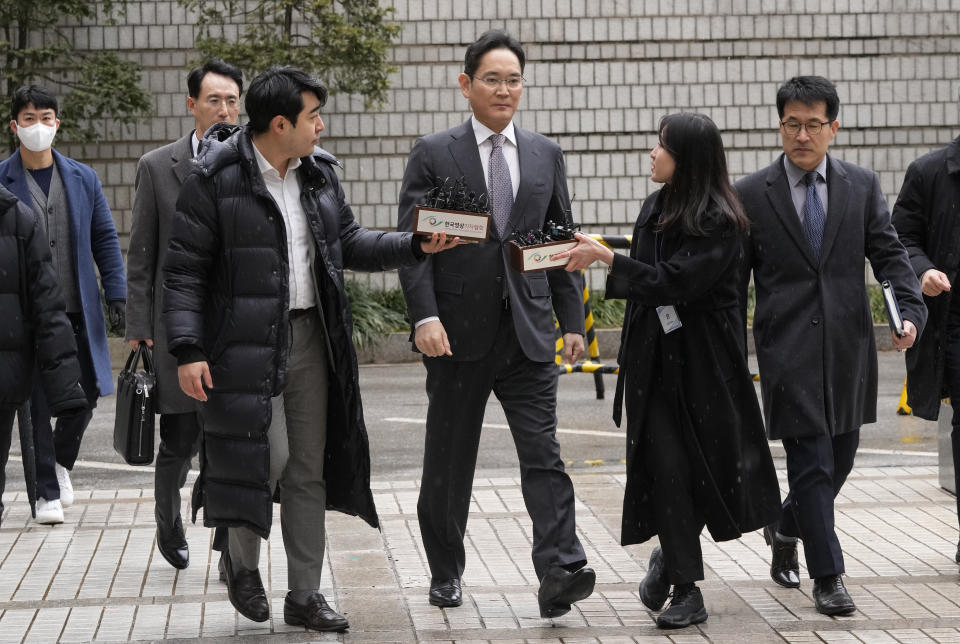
[{"x": 432, "y": 318}]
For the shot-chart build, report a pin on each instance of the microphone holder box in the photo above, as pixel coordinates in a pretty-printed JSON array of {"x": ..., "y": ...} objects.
[
  {"x": 536, "y": 257},
  {"x": 468, "y": 226}
]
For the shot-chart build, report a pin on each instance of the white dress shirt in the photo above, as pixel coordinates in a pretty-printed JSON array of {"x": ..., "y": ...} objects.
[
  {"x": 482, "y": 132},
  {"x": 300, "y": 245}
]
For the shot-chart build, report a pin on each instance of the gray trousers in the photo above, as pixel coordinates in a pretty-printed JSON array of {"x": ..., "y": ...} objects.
[{"x": 298, "y": 436}]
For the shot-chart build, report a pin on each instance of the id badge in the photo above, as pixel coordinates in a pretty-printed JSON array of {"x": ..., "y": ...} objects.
[{"x": 669, "y": 319}]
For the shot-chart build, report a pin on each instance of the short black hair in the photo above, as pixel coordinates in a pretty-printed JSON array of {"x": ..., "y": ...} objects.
[
  {"x": 809, "y": 90},
  {"x": 41, "y": 97},
  {"x": 277, "y": 92},
  {"x": 212, "y": 66},
  {"x": 493, "y": 39}
]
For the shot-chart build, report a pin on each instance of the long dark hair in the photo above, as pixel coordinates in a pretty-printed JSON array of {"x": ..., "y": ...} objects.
[{"x": 700, "y": 183}]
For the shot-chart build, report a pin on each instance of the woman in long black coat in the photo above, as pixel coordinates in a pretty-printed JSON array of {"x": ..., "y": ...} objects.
[{"x": 697, "y": 453}]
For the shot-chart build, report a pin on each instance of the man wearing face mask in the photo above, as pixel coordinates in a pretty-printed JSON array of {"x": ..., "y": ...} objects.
[{"x": 67, "y": 199}]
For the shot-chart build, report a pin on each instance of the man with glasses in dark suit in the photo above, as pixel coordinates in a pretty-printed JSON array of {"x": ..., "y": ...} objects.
[
  {"x": 484, "y": 327},
  {"x": 814, "y": 220}
]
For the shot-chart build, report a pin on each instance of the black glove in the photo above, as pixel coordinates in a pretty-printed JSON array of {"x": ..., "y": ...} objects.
[{"x": 116, "y": 310}]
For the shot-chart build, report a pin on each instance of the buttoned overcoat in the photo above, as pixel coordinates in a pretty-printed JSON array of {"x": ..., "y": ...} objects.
[{"x": 812, "y": 324}]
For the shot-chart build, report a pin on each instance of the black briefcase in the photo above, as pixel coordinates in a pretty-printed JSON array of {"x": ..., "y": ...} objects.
[{"x": 134, "y": 423}]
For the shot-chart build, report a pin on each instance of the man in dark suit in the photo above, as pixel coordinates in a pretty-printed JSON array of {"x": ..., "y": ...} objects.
[
  {"x": 814, "y": 220},
  {"x": 67, "y": 198},
  {"x": 482, "y": 327},
  {"x": 213, "y": 97}
]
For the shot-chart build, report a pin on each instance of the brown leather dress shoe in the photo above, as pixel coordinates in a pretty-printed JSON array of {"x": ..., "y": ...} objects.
[
  {"x": 316, "y": 614},
  {"x": 245, "y": 591}
]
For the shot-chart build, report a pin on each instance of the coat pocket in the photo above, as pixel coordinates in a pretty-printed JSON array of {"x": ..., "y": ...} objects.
[
  {"x": 448, "y": 283},
  {"x": 537, "y": 285}
]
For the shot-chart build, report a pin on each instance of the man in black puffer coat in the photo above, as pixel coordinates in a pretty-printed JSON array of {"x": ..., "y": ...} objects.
[
  {"x": 256, "y": 314},
  {"x": 34, "y": 330}
]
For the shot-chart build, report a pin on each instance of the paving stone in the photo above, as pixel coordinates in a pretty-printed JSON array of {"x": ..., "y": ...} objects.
[{"x": 101, "y": 578}]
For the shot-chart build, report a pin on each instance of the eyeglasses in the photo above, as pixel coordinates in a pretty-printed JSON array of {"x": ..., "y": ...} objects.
[
  {"x": 812, "y": 127},
  {"x": 492, "y": 82}
]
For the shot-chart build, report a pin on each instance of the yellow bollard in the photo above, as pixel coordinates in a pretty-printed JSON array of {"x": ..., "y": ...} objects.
[{"x": 903, "y": 409}]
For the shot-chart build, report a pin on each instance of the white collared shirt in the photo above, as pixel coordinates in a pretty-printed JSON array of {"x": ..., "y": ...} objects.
[
  {"x": 482, "y": 132},
  {"x": 195, "y": 142},
  {"x": 300, "y": 244}
]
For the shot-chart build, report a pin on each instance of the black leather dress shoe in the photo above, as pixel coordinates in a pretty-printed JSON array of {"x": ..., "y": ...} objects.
[
  {"x": 784, "y": 563},
  {"x": 654, "y": 588},
  {"x": 316, "y": 614},
  {"x": 245, "y": 591},
  {"x": 445, "y": 593},
  {"x": 560, "y": 588},
  {"x": 831, "y": 597},
  {"x": 686, "y": 608},
  {"x": 172, "y": 544}
]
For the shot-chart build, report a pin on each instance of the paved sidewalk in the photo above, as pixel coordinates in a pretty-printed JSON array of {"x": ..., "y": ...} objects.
[{"x": 98, "y": 577}]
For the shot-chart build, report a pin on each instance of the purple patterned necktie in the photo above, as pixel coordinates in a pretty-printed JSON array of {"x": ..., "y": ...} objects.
[
  {"x": 499, "y": 184},
  {"x": 814, "y": 218}
]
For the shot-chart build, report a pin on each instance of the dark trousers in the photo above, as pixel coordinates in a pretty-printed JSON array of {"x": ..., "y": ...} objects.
[
  {"x": 179, "y": 442},
  {"x": 6, "y": 431},
  {"x": 679, "y": 524},
  {"x": 458, "y": 393},
  {"x": 952, "y": 376},
  {"x": 817, "y": 467},
  {"x": 61, "y": 445}
]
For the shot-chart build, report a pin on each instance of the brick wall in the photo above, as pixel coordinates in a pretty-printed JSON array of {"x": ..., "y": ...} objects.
[{"x": 601, "y": 74}]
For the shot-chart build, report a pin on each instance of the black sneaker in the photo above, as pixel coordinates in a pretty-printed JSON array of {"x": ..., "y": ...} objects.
[
  {"x": 686, "y": 608},
  {"x": 654, "y": 588}
]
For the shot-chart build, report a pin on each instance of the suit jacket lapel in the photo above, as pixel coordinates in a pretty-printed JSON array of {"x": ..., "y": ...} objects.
[
  {"x": 182, "y": 158},
  {"x": 781, "y": 200},
  {"x": 463, "y": 149},
  {"x": 838, "y": 196},
  {"x": 529, "y": 161}
]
